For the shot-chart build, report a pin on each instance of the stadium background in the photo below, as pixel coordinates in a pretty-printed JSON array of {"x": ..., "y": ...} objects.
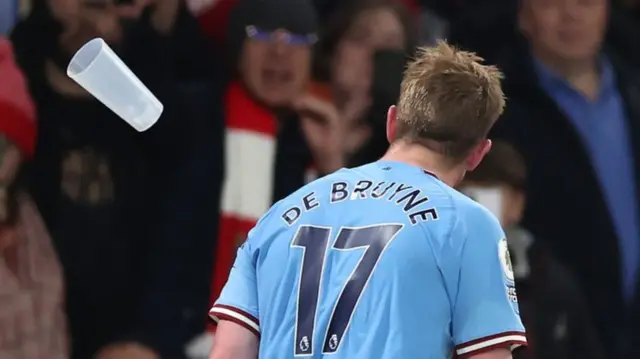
[{"x": 113, "y": 243}]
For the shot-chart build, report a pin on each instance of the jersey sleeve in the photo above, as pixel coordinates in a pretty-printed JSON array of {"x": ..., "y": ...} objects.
[
  {"x": 485, "y": 309},
  {"x": 238, "y": 301}
]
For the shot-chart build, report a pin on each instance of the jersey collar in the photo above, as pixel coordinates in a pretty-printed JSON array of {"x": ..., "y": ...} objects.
[{"x": 430, "y": 173}]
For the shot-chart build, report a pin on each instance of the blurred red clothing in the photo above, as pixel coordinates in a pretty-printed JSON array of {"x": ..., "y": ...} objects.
[
  {"x": 17, "y": 113},
  {"x": 250, "y": 148}
]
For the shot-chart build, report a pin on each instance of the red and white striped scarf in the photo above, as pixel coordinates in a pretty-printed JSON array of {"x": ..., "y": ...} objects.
[{"x": 250, "y": 151}]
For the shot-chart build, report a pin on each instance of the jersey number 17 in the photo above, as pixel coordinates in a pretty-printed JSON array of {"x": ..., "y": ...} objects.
[{"x": 314, "y": 240}]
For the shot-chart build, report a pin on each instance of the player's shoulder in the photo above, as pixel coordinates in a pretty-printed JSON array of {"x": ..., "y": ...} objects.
[
  {"x": 466, "y": 207},
  {"x": 472, "y": 217}
]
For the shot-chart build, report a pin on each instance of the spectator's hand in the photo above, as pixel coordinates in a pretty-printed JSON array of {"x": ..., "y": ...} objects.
[
  {"x": 324, "y": 131},
  {"x": 355, "y": 108},
  {"x": 127, "y": 351}
]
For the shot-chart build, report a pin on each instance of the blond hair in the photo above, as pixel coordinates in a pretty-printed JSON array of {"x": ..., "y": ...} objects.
[{"x": 449, "y": 100}]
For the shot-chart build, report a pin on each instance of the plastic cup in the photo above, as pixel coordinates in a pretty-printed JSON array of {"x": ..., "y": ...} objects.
[{"x": 102, "y": 73}]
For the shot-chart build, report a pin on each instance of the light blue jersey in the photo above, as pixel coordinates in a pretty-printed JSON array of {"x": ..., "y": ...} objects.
[{"x": 380, "y": 261}]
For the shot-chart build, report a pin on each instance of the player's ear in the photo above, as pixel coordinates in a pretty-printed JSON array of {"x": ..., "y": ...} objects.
[
  {"x": 391, "y": 123},
  {"x": 477, "y": 154}
]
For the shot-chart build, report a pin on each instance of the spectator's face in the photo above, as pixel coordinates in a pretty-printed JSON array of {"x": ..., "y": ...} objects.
[
  {"x": 565, "y": 29},
  {"x": 275, "y": 66},
  {"x": 379, "y": 29},
  {"x": 372, "y": 30}
]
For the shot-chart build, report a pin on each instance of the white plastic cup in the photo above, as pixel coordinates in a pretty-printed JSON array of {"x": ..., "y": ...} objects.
[{"x": 102, "y": 73}]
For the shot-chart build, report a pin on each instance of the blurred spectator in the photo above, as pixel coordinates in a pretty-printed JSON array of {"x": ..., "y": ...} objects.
[
  {"x": 347, "y": 46},
  {"x": 359, "y": 64},
  {"x": 266, "y": 156},
  {"x": 120, "y": 205},
  {"x": 551, "y": 303},
  {"x": 32, "y": 323},
  {"x": 214, "y": 14},
  {"x": 573, "y": 113}
]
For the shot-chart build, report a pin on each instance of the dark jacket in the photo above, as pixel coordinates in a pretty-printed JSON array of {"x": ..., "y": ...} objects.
[
  {"x": 137, "y": 265},
  {"x": 565, "y": 203}
]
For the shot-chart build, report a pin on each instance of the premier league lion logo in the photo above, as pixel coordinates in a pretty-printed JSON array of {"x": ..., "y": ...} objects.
[{"x": 505, "y": 260}]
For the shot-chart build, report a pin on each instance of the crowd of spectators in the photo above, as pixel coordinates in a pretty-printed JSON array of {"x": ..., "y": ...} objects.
[{"x": 114, "y": 243}]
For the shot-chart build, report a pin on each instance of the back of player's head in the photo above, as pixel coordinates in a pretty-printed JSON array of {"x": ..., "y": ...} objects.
[
  {"x": 449, "y": 100},
  {"x": 503, "y": 165}
]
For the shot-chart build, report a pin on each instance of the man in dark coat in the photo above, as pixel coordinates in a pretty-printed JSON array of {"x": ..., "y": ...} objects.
[{"x": 573, "y": 112}]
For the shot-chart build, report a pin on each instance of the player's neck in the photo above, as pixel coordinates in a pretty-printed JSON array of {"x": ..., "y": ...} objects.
[{"x": 422, "y": 157}]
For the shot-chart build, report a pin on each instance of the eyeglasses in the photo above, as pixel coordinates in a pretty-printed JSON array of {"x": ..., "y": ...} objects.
[{"x": 280, "y": 35}]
